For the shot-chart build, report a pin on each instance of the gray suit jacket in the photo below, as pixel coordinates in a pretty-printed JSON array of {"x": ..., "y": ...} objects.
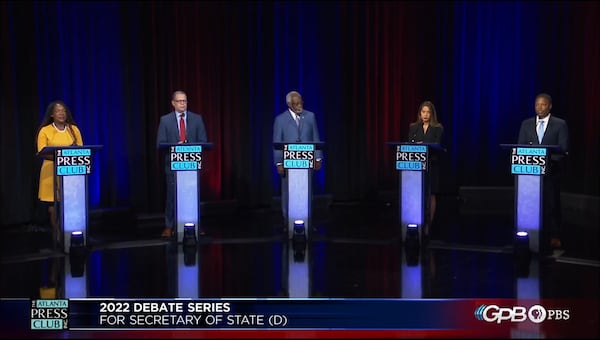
[{"x": 285, "y": 130}]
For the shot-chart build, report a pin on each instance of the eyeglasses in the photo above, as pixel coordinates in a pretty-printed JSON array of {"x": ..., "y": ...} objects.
[{"x": 181, "y": 101}]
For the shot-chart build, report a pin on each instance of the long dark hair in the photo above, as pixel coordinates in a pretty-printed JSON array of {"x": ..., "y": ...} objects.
[
  {"x": 48, "y": 119},
  {"x": 434, "y": 121}
]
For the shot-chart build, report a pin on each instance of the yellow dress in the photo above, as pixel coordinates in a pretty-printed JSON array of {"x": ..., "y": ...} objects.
[{"x": 49, "y": 135}]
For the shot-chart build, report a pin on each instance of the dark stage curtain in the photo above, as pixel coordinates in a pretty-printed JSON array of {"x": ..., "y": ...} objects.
[{"x": 362, "y": 67}]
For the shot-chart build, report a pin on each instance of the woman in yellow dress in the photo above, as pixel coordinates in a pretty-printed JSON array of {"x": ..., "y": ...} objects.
[{"x": 58, "y": 128}]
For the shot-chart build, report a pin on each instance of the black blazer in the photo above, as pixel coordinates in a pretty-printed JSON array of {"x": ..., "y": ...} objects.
[{"x": 433, "y": 135}]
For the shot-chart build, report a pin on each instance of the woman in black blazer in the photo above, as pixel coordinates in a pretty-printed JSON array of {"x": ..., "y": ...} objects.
[{"x": 427, "y": 129}]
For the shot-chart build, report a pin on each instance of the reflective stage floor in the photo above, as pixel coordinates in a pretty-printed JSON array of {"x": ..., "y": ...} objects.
[{"x": 354, "y": 251}]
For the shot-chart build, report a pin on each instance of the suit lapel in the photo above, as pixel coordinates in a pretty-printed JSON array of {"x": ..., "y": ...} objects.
[
  {"x": 175, "y": 125},
  {"x": 549, "y": 130}
]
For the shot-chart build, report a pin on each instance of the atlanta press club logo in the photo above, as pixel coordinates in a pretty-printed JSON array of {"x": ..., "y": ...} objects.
[
  {"x": 49, "y": 314},
  {"x": 535, "y": 314}
]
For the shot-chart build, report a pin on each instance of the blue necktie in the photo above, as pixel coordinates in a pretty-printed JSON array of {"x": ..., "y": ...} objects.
[
  {"x": 297, "y": 119},
  {"x": 540, "y": 131}
]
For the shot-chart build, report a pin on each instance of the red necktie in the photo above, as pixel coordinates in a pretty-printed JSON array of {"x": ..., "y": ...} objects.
[{"x": 181, "y": 128}]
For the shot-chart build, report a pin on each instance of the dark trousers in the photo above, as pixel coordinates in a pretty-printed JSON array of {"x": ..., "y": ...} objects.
[
  {"x": 170, "y": 201},
  {"x": 551, "y": 204},
  {"x": 552, "y": 216}
]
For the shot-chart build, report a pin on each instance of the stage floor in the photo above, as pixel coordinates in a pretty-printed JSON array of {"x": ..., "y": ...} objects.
[{"x": 354, "y": 251}]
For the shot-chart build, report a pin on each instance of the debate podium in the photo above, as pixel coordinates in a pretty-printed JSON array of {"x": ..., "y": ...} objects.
[
  {"x": 412, "y": 163},
  {"x": 72, "y": 166},
  {"x": 529, "y": 164},
  {"x": 185, "y": 160},
  {"x": 298, "y": 161}
]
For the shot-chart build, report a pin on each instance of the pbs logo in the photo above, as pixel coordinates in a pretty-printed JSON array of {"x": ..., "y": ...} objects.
[{"x": 537, "y": 314}]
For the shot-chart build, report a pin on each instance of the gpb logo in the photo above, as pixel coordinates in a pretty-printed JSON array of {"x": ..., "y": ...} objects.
[{"x": 493, "y": 313}]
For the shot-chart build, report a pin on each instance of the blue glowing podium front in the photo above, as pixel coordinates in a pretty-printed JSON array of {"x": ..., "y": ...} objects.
[
  {"x": 185, "y": 160},
  {"x": 529, "y": 163},
  {"x": 412, "y": 163},
  {"x": 298, "y": 161},
  {"x": 72, "y": 166}
]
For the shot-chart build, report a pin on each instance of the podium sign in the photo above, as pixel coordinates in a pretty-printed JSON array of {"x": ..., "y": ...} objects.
[
  {"x": 73, "y": 161},
  {"x": 72, "y": 165},
  {"x": 298, "y": 160},
  {"x": 185, "y": 157},
  {"x": 298, "y": 156},
  {"x": 411, "y": 157},
  {"x": 186, "y": 162},
  {"x": 529, "y": 163}
]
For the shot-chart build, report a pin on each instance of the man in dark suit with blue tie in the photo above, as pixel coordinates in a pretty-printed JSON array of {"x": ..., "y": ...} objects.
[
  {"x": 177, "y": 126},
  {"x": 294, "y": 125},
  {"x": 546, "y": 129}
]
